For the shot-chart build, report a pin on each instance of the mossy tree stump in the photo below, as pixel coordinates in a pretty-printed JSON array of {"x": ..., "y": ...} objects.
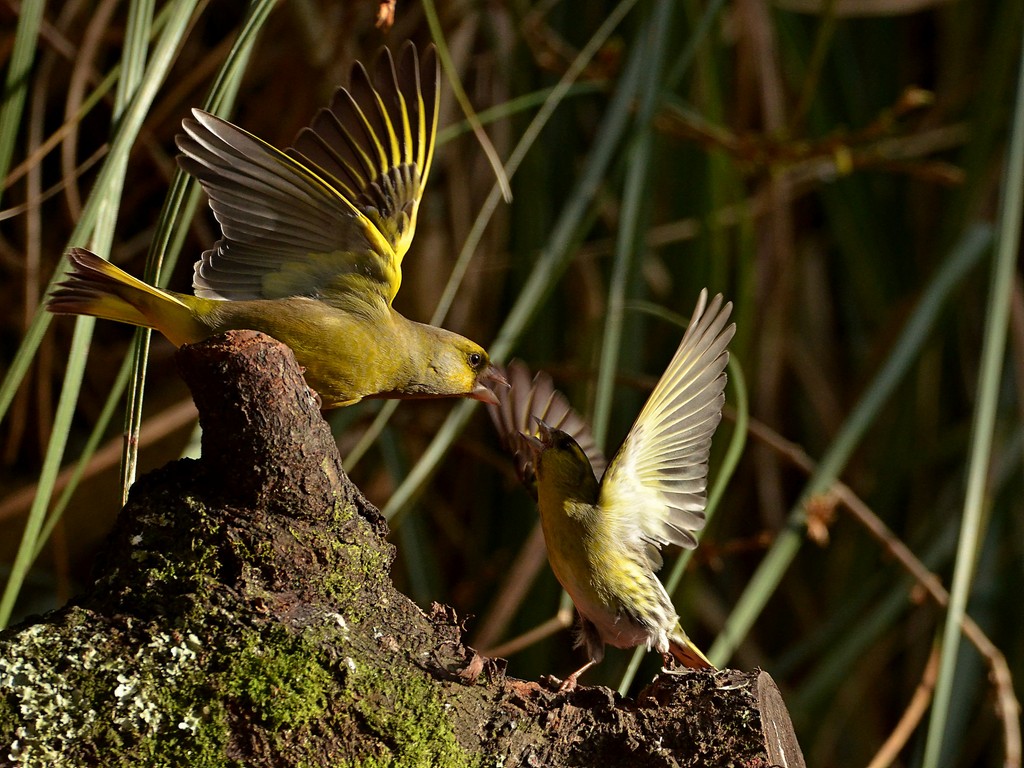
[{"x": 243, "y": 614}]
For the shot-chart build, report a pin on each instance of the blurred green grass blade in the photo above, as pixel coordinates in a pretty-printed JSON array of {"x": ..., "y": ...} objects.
[
  {"x": 178, "y": 209},
  {"x": 133, "y": 66},
  {"x": 965, "y": 255},
  {"x": 371, "y": 434},
  {"x": 724, "y": 186},
  {"x": 121, "y": 143},
  {"x": 557, "y": 96},
  {"x": 133, "y": 61},
  {"x": 179, "y": 206},
  {"x": 221, "y": 99},
  {"x": 23, "y": 55},
  {"x": 414, "y": 547},
  {"x": 983, "y": 423},
  {"x": 636, "y": 200},
  {"x": 409, "y": 489},
  {"x": 27, "y": 547},
  {"x": 552, "y": 261},
  {"x": 437, "y": 33},
  {"x": 837, "y": 664},
  {"x": 860, "y": 631},
  {"x": 681, "y": 65},
  {"x": 812, "y": 77},
  {"x": 529, "y": 137},
  {"x": 514, "y": 106},
  {"x": 103, "y": 204},
  {"x": 89, "y": 448}
]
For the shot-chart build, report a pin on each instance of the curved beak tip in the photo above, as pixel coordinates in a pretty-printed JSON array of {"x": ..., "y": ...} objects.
[
  {"x": 533, "y": 443},
  {"x": 493, "y": 376}
]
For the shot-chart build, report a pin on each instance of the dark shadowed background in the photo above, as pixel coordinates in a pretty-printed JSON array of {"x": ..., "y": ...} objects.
[{"x": 826, "y": 164}]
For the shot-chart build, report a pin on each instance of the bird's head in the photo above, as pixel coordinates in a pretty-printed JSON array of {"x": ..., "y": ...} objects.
[
  {"x": 459, "y": 366},
  {"x": 559, "y": 460}
]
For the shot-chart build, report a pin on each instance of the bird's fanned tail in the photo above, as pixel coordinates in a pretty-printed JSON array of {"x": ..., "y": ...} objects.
[
  {"x": 96, "y": 287},
  {"x": 686, "y": 653}
]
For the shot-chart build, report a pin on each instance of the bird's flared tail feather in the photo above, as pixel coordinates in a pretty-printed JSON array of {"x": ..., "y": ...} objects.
[
  {"x": 686, "y": 653},
  {"x": 98, "y": 288}
]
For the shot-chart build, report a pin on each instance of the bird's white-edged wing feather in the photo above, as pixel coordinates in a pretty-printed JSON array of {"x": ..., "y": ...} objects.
[{"x": 655, "y": 489}]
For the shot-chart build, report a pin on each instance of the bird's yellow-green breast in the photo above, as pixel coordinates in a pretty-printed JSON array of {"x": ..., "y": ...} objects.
[{"x": 567, "y": 493}]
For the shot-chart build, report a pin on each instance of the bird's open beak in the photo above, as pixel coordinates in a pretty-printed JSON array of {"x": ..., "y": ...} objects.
[
  {"x": 539, "y": 442},
  {"x": 533, "y": 443},
  {"x": 486, "y": 382},
  {"x": 543, "y": 432}
]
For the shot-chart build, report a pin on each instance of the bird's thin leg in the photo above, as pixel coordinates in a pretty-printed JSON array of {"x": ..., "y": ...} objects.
[{"x": 570, "y": 682}]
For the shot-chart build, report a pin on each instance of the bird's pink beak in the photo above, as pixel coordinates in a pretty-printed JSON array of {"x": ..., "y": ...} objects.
[{"x": 488, "y": 379}]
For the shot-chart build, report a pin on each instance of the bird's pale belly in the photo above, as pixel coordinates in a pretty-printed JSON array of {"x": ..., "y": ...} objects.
[{"x": 576, "y": 571}]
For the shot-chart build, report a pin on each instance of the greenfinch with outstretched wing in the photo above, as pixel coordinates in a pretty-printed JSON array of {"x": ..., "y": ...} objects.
[
  {"x": 604, "y": 532},
  {"x": 312, "y": 246}
]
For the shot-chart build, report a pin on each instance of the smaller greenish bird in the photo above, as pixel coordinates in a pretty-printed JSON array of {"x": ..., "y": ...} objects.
[
  {"x": 604, "y": 528},
  {"x": 312, "y": 246}
]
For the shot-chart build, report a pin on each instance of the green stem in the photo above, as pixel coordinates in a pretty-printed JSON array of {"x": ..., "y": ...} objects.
[
  {"x": 983, "y": 427},
  {"x": 966, "y": 254}
]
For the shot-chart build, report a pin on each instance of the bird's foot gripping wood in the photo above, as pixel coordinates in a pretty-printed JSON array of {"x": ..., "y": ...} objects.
[{"x": 570, "y": 683}]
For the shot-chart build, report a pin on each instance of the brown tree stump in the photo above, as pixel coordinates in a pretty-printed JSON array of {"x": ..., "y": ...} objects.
[{"x": 243, "y": 614}]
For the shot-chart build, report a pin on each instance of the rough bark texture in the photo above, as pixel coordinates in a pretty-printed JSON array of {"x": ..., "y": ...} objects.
[{"x": 243, "y": 614}]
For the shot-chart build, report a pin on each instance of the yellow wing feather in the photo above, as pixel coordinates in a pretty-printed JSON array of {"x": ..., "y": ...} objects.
[
  {"x": 654, "y": 491},
  {"x": 332, "y": 216}
]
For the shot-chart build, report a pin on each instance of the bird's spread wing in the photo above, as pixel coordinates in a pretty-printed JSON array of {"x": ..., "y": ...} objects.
[
  {"x": 333, "y": 215},
  {"x": 529, "y": 399},
  {"x": 655, "y": 487}
]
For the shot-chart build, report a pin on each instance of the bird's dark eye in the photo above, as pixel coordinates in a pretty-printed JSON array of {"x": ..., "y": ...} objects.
[{"x": 475, "y": 360}]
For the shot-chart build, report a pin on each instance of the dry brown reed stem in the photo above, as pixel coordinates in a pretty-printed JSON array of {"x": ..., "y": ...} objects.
[
  {"x": 521, "y": 574},
  {"x": 912, "y": 715},
  {"x": 156, "y": 428},
  {"x": 805, "y": 176},
  {"x": 1007, "y": 707},
  {"x": 561, "y": 620}
]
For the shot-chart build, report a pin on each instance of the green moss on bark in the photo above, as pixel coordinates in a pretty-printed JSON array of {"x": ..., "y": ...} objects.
[
  {"x": 409, "y": 716},
  {"x": 282, "y": 683}
]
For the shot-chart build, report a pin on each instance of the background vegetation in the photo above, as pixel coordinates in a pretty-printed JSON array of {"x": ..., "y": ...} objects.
[{"x": 838, "y": 168}]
